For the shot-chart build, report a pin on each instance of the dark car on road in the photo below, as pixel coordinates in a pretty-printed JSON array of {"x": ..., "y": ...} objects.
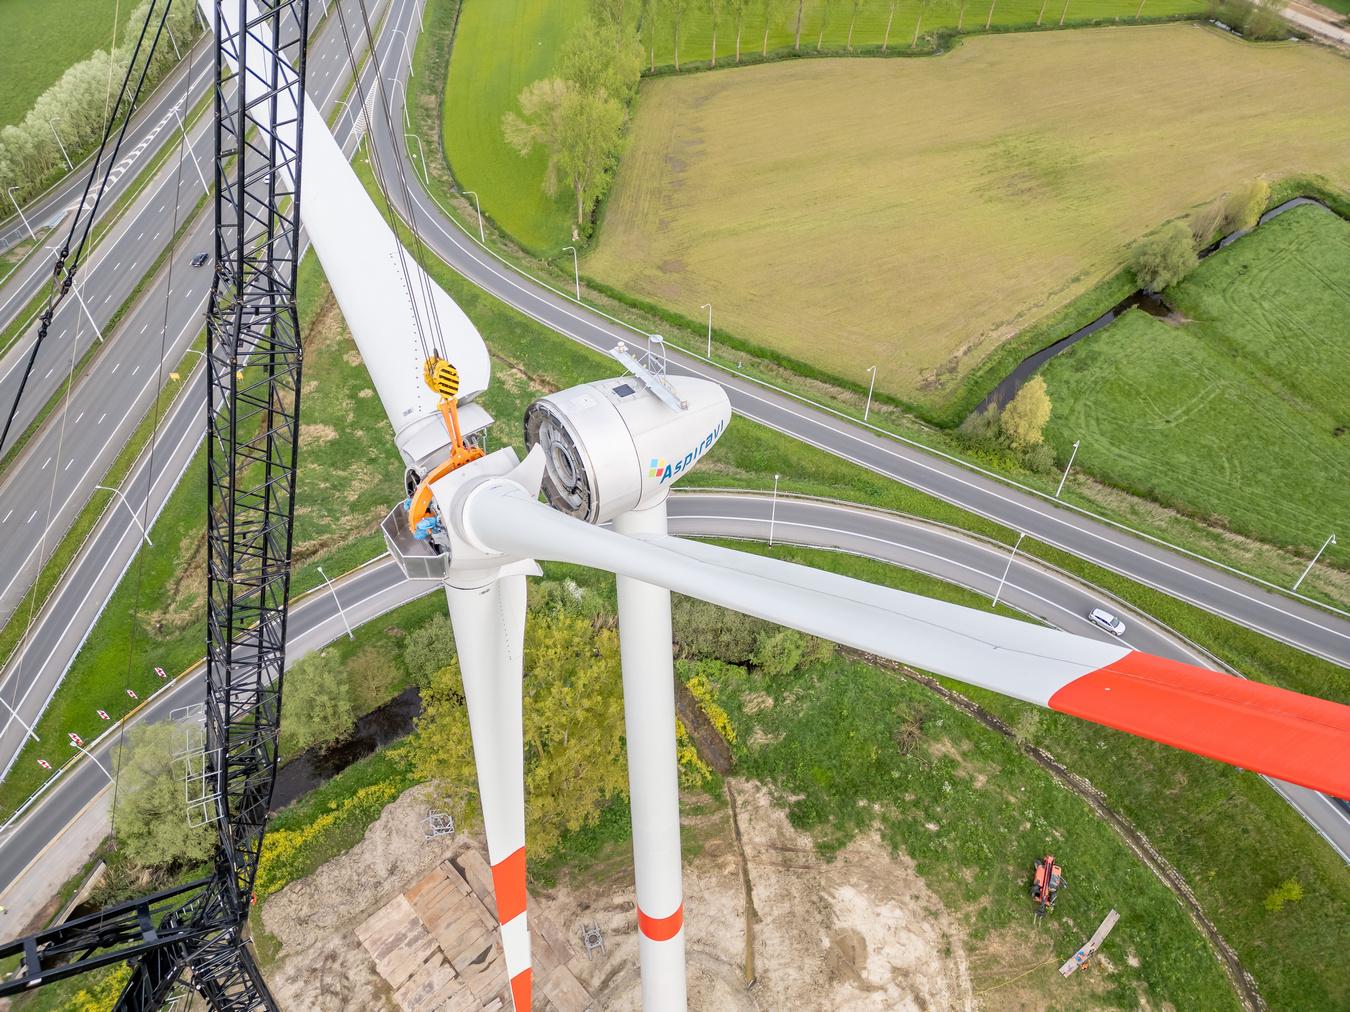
[{"x": 200, "y": 259}]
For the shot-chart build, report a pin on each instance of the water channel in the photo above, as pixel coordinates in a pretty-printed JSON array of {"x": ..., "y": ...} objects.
[{"x": 1149, "y": 302}]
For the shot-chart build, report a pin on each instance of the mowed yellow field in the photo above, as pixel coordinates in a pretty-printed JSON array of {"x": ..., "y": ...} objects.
[{"x": 917, "y": 213}]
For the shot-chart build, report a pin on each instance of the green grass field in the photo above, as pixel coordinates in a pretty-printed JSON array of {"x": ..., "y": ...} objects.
[
  {"x": 39, "y": 39},
  {"x": 917, "y": 214},
  {"x": 826, "y": 22},
  {"x": 500, "y": 47},
  {"x": 1240, "y": 415}
]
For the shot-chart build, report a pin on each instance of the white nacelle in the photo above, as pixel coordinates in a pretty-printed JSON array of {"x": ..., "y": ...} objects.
[{"x": 614, "y": 446}]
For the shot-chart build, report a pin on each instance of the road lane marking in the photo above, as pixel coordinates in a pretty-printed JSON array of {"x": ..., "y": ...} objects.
[
  {"x": 114, "y": 368},
  {"x": 78, "y": 417},
  {"x": 101, "y": 417},
  {"x": 68, "y": 463},
  {"x": 1001, "y": 491},
  {"x": 7, "y": 516},
  {"x": 30, "y": 517},
  {"x": 45, "y": 463}
]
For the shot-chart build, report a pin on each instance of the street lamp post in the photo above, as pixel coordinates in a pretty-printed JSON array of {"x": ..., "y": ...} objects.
[
  {"x": 31, "y": 234},
  {"x": 137, "y": 519},
  {"x": 470, "y": 193},
  {"x": 176, "y": 52},
  {"x": 1065, "y": 476},
  {"x": 870, "y": 384},
  {"x": 576, "y": 271},
  {"x": 59, "y": 144},
  {"x": 397, "y": 83},
  {"x": 187, "y": 142},
  {"x": 1331, "y": 540},
  {"x": 337, "y": 602},
  {"x": 1007, "y": 568},
  {"x": 90, "y": 756},
  {"x": 773, "y": 510},
  {"x": 423, "y": 152},
  {"x": 406, "y": 58},
  {"x": 708, "y": 307},
  {"x": 87, "y": 315}
]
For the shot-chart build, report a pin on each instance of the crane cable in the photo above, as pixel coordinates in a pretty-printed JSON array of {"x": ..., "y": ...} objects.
[
  {"x": 63, "y": 274},
  {"x": 184, "y": 153},
  {"x": 419, "y": 250},
  {"x": 427, "y": 349}
]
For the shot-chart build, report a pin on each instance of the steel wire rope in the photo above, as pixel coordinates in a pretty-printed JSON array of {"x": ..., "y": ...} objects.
[
  {"x": 379, "y": 178},
  {"x": 145, "y": 521},
  {"x": 63, "y": 276},
  {"x": 419, "y": 250},
  {"x": 25, "y": 642}
]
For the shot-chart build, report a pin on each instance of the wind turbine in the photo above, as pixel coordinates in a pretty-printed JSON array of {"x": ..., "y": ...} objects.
[{"x": 608, "y": 452}]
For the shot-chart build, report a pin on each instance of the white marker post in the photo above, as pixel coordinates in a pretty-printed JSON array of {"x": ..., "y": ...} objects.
[{"x": 708, "y": 307}]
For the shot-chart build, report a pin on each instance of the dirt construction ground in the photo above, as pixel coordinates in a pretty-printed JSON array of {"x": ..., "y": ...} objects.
[
  {"x": 861, "y": 932},
  {"x": 915, "y": 214}
]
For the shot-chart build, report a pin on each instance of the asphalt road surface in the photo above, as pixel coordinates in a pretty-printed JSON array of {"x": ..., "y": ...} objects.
[
  {"x": 42, "y": 490},
  {"x": 1307, "y": 627},
  {"x": 26, "y": 858},
  {"x": 61, "y": 628}
]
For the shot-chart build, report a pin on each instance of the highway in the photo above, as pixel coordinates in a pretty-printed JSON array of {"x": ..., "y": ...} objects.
[
  {"x": 378, "y": 587},
  {"x": 1309, "y": 628},
  {"x": 61, "y": 628},
  {"x": 61, "y": 466},
  {"x": 115, "y": 390}
]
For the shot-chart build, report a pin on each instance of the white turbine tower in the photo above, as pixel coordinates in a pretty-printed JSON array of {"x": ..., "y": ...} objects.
[{"x": 609, "y": 452}]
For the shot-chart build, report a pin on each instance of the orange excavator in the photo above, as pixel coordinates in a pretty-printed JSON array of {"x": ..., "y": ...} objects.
[{"x": 1045, "y": 884}]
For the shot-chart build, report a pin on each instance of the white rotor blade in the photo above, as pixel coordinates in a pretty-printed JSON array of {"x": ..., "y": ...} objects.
[
  {"x": 386, "y": 297},
  {"x": 489, "y": 624},
  {"x": 1284, "y": 734}
]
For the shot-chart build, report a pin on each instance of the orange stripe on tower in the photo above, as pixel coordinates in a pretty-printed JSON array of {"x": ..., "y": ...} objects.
[
  {"x": 508, "y": 882},
  {"x": 661, "y": 929},
  {"x": 522, "y": 991},
  {"x": 1283, "y": 734}
]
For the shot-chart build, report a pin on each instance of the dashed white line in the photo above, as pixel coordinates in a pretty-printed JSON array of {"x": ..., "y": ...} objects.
[
  {"x": 78, "y": 417},
  {"x": 101, "y": 417},
  {"x": 115, "y": 368},
  {"x": 136, "y": 370},
  {"x": 45, "y": 463},
  {"x": 7, "y": 516},
  {"x": 49, "y": 372},
  {"x": 30, "y": 517},
  {"x": 68, "y": 463}
]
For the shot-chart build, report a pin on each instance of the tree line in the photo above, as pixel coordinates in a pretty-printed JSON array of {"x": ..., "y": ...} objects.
[
  {"x": 578, "y": 117},
  {"x": 73, "y": 111}
]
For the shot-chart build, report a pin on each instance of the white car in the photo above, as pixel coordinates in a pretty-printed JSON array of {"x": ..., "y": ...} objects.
[{"x": 1103, "y": 618}]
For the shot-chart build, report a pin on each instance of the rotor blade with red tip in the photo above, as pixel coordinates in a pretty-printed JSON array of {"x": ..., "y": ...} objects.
[
  {"x": 1283, "y": 734},
  {"x": 489, "y": 623}
]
